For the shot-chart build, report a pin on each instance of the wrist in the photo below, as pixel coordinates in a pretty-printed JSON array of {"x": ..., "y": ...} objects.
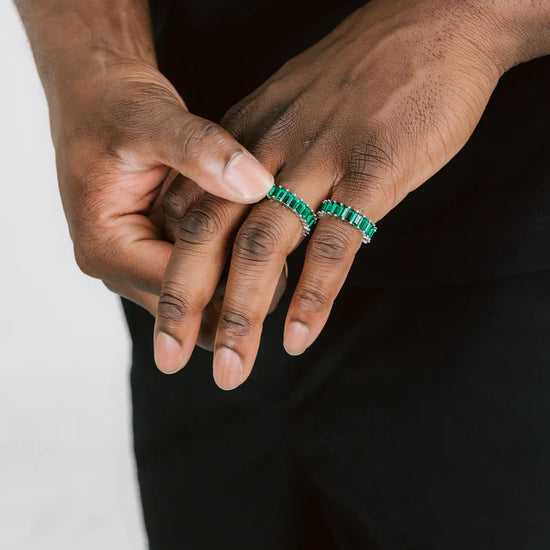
[
  {"x": 75, "y": 43},
  {"x": 514, "y": 30}
]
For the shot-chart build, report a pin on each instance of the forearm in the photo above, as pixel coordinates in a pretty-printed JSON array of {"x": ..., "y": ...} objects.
[{"x": 74, "y": 37}]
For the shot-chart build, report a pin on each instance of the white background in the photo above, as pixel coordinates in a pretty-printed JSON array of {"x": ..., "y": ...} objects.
[{"x": 67, "y": 476}]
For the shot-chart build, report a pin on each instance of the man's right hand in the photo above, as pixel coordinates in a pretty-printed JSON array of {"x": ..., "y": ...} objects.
[{"x": 120, "y": 132}]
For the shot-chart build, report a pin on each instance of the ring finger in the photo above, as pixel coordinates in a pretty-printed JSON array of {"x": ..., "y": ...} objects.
[{"x": 329, "y": 257}]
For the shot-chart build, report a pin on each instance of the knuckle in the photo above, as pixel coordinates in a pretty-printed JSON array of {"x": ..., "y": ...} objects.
[
  {"x": 199, "y": 225},
  {"x": 368, "y": 159},
  {"x": 172, "y": 306},
  {"x": 172, "y": 203},
  {"x": 311, "y": 300},
  {"x": 330, "y": 246},
  {"x": 283, "y": 121},
  {"x": 110, "y": 286},
  {"x": 236, "y": 118},
  {"x": 371, "y": 171},
  {"x": 235, "y": 324},
  {"x": 180, "y": 196},
  {"x": 257, "y": 241},
  {"x": 199, "y": 137},
  {"x": 87, "y": 259},
  {"x": 83, "y": 261}
]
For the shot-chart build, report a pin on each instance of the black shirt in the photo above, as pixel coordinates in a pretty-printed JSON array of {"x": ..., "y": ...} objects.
[{"x": 485, "y": 214}]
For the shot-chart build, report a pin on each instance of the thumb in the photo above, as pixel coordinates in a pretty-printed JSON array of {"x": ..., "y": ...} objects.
[{"x": 207, "y": 154}]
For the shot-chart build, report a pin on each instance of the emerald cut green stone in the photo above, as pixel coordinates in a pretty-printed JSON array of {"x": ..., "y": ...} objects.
[
  {"x": 291, "y": 200},
  {"x": 349, "y": 215}
]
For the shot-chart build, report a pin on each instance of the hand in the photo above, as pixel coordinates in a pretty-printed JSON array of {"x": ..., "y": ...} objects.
[
  {"x": 363, "y": 117},
  {"x": 170, "y": 208},
  {"x": 119, "y": 128}
]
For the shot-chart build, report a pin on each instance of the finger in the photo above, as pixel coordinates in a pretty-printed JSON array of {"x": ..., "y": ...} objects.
[
  {"x": 177, "y": 201},
  {"x": 211, "y": 314},
  {"x": 209, "y": 322},
  {"x": 202, "y": 243},
  {"x": 129, "y": 250},
  {"x": 143, "y": 299},
  {"x": 269, "y": 234},
  {"x": 156, "y": 212},
  {"x": 193, "y": 271},
  {"x": 329, "y": 257},
  {"x": 207, "y": 154}
]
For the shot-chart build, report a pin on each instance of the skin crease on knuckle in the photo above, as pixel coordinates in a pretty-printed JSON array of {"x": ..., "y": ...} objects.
[
  {"x": 331, "y": 246},
  {"x": 311, "y": 302},
  {"x": 173, "y": 308},
  {"x": 200, "y": 225},
  {"x": 257, "y": 241},
  {"x": 94, "y": 252},
  {"x": 199, "y": 136},
  {"x": 235, "y": 325},
  {"x": 176, "y": 203}
]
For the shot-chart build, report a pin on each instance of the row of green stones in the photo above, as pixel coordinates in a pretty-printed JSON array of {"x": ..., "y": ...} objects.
[
  {"x": 293, "y": 202},
  {"x": 351, "y": 216}
]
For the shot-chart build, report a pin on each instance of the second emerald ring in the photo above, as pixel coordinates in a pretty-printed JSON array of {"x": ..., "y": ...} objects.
[
  {"x": 350, "y": 216},
  {"x": 290, "y": 200}
]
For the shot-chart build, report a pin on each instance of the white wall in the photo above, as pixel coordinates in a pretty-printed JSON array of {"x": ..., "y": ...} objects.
[{"x": 67, "y": 477}]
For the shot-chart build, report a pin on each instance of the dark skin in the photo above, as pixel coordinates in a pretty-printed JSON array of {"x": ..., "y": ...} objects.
[
  {"x": 121, "y": 133},
  {"x": 364, "y": 117}
]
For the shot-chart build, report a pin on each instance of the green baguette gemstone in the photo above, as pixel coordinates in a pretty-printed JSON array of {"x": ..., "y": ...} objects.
[
  {"x": 351, "y": 216},
  {"x": 290, "y": 200}
]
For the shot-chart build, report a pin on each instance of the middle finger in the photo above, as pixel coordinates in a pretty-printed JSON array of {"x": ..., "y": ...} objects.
[{"x": 263, "y": 242}]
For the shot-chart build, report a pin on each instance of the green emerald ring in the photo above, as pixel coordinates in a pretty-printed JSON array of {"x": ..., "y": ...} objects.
[
  {"x": 349, "y": 215},
  {"x": 290, "y": 200}
]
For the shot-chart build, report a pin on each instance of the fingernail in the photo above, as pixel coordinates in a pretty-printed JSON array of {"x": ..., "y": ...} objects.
[
  {"x": 167, "y": 353},
  {"x": 247, "y": 177},
  {"x": 296, "y": 338},
  {"x": 228, "y": 369}
]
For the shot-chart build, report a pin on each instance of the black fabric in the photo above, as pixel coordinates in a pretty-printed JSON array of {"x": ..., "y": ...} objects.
[{"x": 419, "y": 419}]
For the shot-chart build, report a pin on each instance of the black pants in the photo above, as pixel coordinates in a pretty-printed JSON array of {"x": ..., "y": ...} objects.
[{"x": 419, "y": 420}]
